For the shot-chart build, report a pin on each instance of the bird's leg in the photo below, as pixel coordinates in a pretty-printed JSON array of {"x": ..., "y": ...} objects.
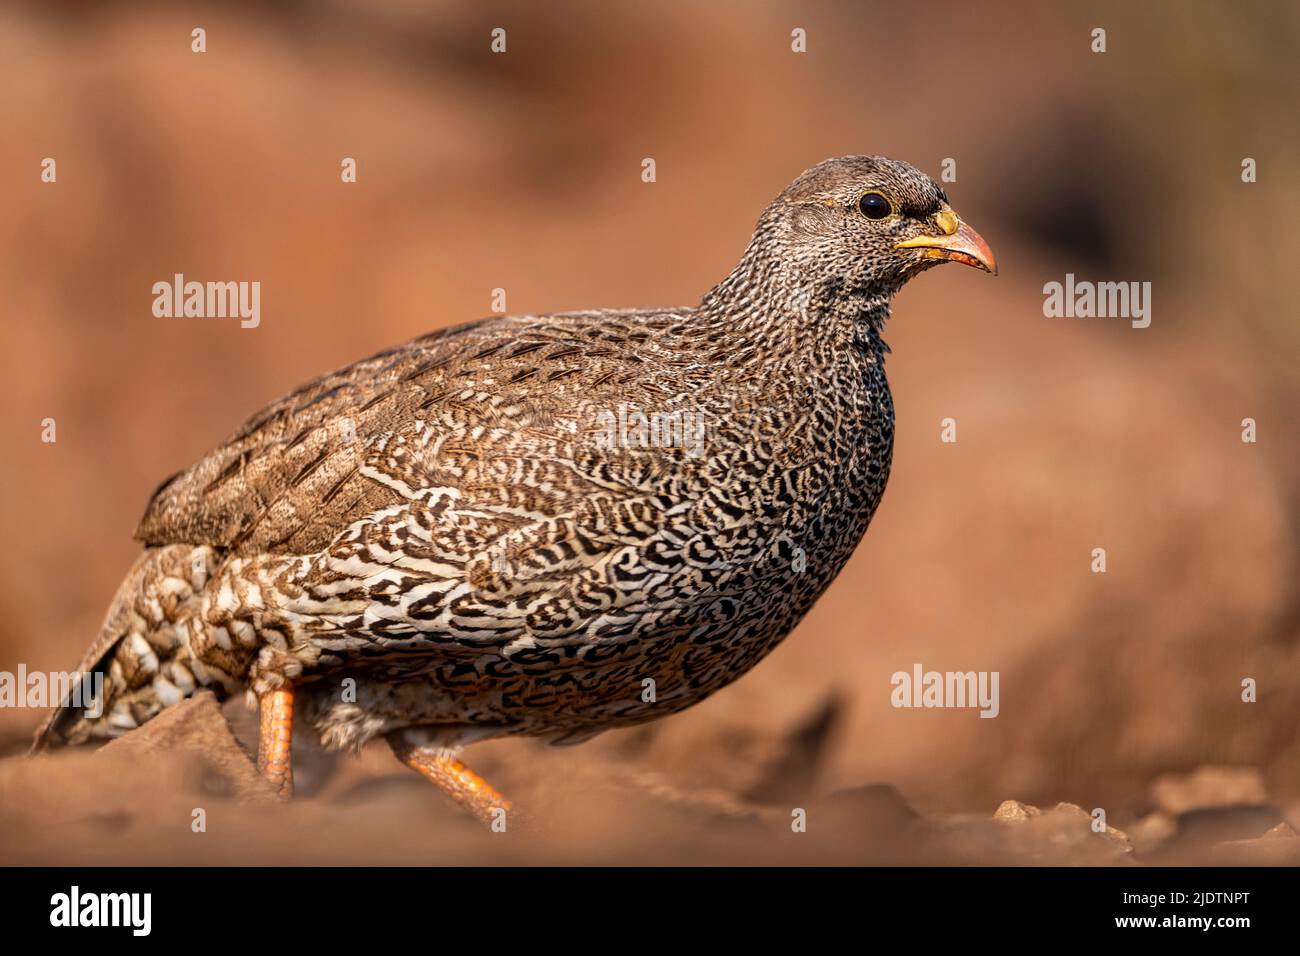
[
  {"x": 452, "y": 777},
  {"x": 275, "y": 739}
]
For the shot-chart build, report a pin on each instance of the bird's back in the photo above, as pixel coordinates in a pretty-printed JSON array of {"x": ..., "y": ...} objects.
[{"x": 331, "y": 452}]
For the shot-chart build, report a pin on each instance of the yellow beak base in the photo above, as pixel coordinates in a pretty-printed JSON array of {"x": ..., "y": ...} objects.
[{"x": 961, "y": 244}]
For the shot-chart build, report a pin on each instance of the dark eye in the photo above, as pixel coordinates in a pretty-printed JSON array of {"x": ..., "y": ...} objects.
[{"x": 874, "y": 206}]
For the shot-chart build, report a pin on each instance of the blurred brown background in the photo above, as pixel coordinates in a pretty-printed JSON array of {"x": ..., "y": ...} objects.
[{"x": 522, "y": 171}]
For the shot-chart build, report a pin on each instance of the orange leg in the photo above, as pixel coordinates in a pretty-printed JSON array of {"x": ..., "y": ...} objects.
[
  {"x": 454, "y": 779},
  {"x": 275, "y": 740}
]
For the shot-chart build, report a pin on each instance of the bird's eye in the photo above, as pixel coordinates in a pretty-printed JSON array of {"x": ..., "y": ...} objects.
[{"x": 874, "y": 206}]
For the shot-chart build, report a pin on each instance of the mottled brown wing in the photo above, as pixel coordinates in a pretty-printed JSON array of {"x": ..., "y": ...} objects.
[{"x": 293, "y": 477}]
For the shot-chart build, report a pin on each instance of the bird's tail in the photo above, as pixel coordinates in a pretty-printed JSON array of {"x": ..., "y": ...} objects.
[{"x": 141, "y": 661}]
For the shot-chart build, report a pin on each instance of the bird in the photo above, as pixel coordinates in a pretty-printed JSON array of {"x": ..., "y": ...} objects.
[{"x": 542, "y": 525}]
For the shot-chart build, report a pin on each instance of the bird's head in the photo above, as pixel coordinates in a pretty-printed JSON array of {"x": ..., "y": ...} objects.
[{"x": 868, "y": 223}]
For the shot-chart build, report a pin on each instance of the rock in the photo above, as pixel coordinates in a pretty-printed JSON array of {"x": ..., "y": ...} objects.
[
  {"x": 871, "y": 824},
  {"x": 1065, "y": 823},
  {"x": 139, "y": 796},
  {"x": 1280, "y": 846},
  {"x": 195, "y": 732},
  {"x": 1209, "y": 787},
  {"x": 963, "y": 839},
  {"x": 1191, "y": 838},
  {"x": 1076, "y": 824},
  {"x": 1211, "y": 825},
  {"x": 1153, "y": 833},
  {"x": 1064, "y": 834},
  {"x": 1013, "y": 811},
  {"x": 1020, "y": 833},
  {"x": 877, "y": 807}
]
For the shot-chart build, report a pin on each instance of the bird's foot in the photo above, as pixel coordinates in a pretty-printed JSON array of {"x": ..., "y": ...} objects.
[
  {"x": 454, "y": 779},
  {"x": 275, "y": 740}
]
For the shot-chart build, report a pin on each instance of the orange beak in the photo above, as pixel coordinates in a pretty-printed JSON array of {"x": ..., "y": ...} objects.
[{"x": 958, "y": 243}]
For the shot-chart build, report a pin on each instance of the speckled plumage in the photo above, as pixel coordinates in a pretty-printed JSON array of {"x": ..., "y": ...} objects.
[{"x": 449, "y": 525}]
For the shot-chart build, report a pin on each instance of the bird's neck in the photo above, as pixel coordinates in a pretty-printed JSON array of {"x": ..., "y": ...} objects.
[{"x": 763, "y": 313}]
